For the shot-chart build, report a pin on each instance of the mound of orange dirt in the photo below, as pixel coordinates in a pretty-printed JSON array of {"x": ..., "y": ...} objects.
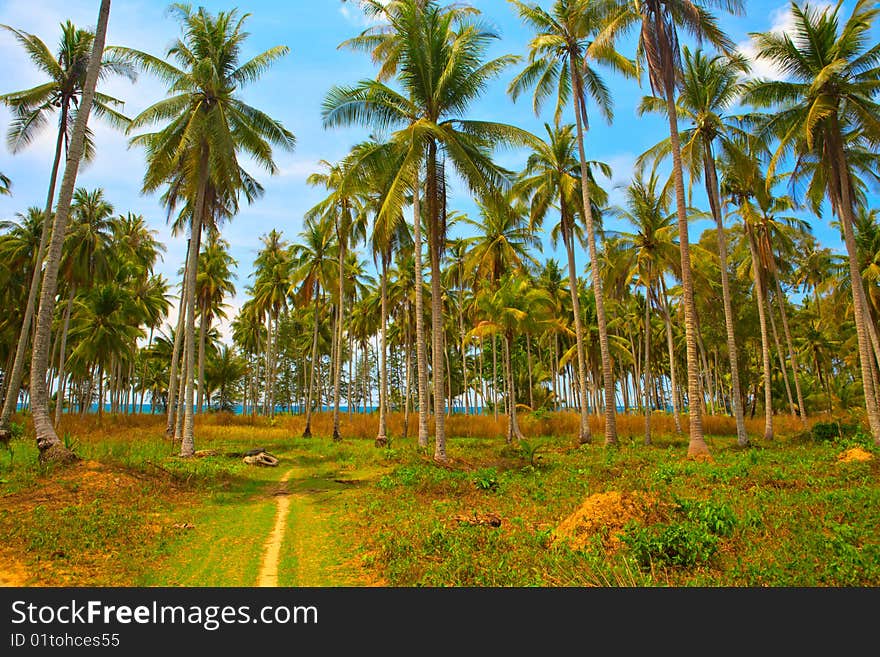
[
  {"x": 12, "y": 571},
  {"x": 855, "y": 454},
  {"x": 604, "y": 515}
]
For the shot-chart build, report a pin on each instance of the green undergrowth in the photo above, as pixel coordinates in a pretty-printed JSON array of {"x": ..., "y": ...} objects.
[{"x": 787, "y": 512}]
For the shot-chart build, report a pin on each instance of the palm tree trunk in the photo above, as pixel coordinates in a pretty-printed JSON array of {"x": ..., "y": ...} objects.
[
  {"x": 173, "y": 398},
  {"x": 580, "y": 110},
  {"x": 513, "y": 430},
  {"x": 51, "y": 448},
  {"x": 62, "y": 378},
  {"x": 845, "y": 206},
  {"x": 181, "y": 390},
  {"x": 204, "y": 327},
  {"x": 765, "y": 339},
  {"x": 435, "y": 240},
  {"x": 351, "y": 357},
  {"x": 673, "y": 379},
  {"x": 529, "y": 364},
  {"x": 187, "y": 441},
  {"x": 408, "y": 370},
  {"x": 337, "y": 362},
  {"x": 697, "y": 445},
  {"x": 269, "y": 399},
  {"x": 307, "y": 432},
  {"x": 421, "y": 346},
  {"x": 792, "y": 356},
  {"x": 464, "y": 367},
  {"x": 782, "y": 366},
  {"x": 584, "y": 435},
  {"x": 14, "y": 376},
  {"x": 714, "y": 195},
  {"x": 495, "y": 378},
  {"x": 100, "y": 391},
  {"x": 648, "y": 358},
  {"x": 381, "y": 438}
]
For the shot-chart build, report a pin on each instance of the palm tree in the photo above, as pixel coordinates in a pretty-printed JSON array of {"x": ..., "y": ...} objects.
[
  {"x": 344, "y": 206},
  {"x": 709, "y": 86},
  {"x": 312, "y": 274},
  {"x": 213, "y": 284},
  {"x": 103, "y": 328},
  {"x": 658, "y": 22},
  {"x": 386, "y": 44},
  {"x": 507, "y": 309},
  {"x": 50, "y": 446},
  {"x": 741, "y": 181},
  {"x": 440, "y": 59},
  {"x": 208, "y": 126},
  {"x": 826, "y": 109},
  {"x": 552, "y": 175},
  {"x": 273, "y": 270},
  {"x": 560, "y": 57},
  {"x": 652, "y": 252},
  {"x": 32, "y": 109},
  {"x": 86, "y": 258},
  {"x": 223, "y": 373}
]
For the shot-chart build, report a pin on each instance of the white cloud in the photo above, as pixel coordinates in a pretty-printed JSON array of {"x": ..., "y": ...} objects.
[
  {"x": 298, "y": 169},
  {"x": 351, "y": 11},
  {"x": 781, "y": 22}
]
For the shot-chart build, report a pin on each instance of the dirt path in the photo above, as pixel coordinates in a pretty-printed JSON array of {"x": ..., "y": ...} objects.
[{"x": 272, "y": 552}]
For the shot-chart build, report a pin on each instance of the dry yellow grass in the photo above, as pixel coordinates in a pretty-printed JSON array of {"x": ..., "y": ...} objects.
[{"x": 563, "y": 424}]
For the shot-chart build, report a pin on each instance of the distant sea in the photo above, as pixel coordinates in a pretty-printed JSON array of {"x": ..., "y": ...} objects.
[{"x": 238, "y": 409}]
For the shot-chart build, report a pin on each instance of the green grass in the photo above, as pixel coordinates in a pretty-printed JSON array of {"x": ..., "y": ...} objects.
[{"x": 782, "y": 513}]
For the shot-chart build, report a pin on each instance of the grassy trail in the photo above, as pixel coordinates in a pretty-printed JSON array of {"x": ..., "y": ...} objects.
[{"x": 278, "y": 529}]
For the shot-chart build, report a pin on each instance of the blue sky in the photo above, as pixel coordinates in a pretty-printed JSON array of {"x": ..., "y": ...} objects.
[{"x": 292, "y": 92}]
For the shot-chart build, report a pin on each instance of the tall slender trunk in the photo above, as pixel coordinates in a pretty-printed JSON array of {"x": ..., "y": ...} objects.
[
  {"x": 14, "y": 376},
  {"x": 173, "y": 398},
  {"x": 464, "y": 367},
  {"x": 673, "y": 378},
  {"x": 421, "y": 347},
  {"x": 351, "y": 357},
  {"x": 845, "y": 207},
  {"x": 584, "y": 434},
  {"x": 341, "y": 237},
  {"x": 62, "y": 376},
  {"x": 436, "y": 239},
  {"x": 187, "y": 442},
  {"x": 714, "y": 195},
  {"x": 266, "y": 369},
  {"x": 50, "y": 446},
  {"x": 648, "y": 358},
  {"x": 792, "y": 356},
  {"x": 529, "y": 364},
  {"x": 580, "y": 111},
  {"x": 408, "y": 370},
  {"x": 697, "y": 445},
  {"x": 765, "y": 338},
  {"x": 181, "y": 388},
  {"x": 100, "y": 391},
  {"x": 513, "y": 430},
  {"x": 782, "y": 366},
  {"x": 381, "y": 438},
  {"x": 495, "y": 377},
  {"x": 307, "y": 432},
  {"x": 204, "y": 327}
]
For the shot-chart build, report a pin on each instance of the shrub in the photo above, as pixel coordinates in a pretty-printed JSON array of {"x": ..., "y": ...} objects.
[
  {"x": 716, "y": 518},
  {"x": 486, "y": 479},
  {"x": 684, "y": 545},
  {"x": 832, "y": 431}
]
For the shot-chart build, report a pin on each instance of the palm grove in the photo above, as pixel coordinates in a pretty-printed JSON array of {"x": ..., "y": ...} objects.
[{"x": 388, "y": 300}]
